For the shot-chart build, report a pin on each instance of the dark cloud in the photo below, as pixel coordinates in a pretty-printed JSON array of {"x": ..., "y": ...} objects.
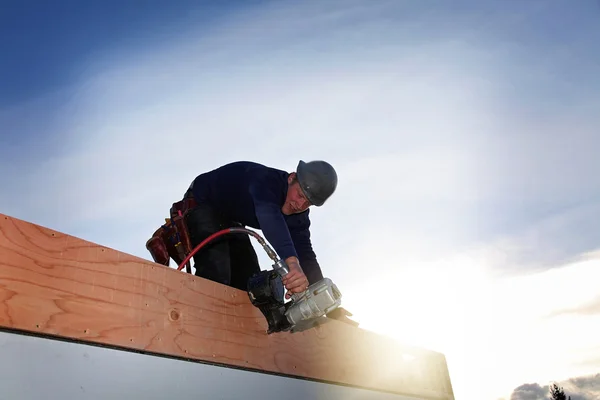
[
  {"x": 588, "y": 387},
  {"x": 578, "y": 388},
  {"x": 529, "y": 391}
]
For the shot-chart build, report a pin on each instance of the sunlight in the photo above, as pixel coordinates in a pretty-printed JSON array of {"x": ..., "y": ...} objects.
[
  {"x": 439, "y": 306},
  {"x": 486, "y": 327}
]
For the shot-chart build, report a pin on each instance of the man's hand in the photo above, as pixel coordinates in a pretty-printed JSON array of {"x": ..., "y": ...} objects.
[{"x": 295, "y": 281}]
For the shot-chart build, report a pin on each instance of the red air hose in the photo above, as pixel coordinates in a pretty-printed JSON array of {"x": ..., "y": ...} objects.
[{"x": 222, "y": 232}]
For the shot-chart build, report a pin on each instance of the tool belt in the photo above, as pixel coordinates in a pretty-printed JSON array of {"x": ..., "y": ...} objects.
[{"x": 172, "y": 239}]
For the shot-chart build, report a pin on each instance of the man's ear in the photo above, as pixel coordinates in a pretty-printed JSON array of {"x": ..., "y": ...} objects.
[{"x": 291, "y": 177}]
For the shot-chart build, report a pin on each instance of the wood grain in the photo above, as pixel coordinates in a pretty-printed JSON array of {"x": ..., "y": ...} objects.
[{"x": 56, "y": 284}]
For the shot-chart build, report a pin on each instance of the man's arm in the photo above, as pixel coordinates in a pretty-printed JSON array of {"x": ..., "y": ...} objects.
[
  {"x": 269, "y": 216},
  {"x": 299, "y": 227},
  {"x": 276, "y": 231}
]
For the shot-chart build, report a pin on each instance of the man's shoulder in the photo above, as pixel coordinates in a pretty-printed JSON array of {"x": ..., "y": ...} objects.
[
  {"x": 262, "y": 174},
  {"x": 252, "y": 167},
  {"x": 259, "y": 178},
  {"x": 240, "y": 169}
]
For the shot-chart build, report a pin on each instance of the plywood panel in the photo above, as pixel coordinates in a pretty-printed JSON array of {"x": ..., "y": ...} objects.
[{"x": 56, "y": 284}]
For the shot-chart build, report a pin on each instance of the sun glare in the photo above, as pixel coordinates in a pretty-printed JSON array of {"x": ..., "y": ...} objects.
[
  {"x": 486, "y": 327},
  {"x": 438, "y": 306}
]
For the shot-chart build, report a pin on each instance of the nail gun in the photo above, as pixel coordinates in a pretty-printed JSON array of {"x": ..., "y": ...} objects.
[{"x": 266, "y": 291}]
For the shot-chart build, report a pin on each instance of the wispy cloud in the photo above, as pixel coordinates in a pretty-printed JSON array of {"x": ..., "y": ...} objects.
[
  {"x": 144, "y": 126},
  {"x": 590, "y": 308}
]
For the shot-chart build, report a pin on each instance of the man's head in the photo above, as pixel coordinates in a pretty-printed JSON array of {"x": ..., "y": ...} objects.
[{"x": 312, "y": 184}]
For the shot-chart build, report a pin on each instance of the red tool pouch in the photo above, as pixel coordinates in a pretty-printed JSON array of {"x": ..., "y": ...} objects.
[
  {"x": 172, "y": 240},
  {"x": 158, "y": 249}
]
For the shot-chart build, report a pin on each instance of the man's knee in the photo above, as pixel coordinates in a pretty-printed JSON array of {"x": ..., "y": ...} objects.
[
  {"x": 202, "y": 221},
  {"x": 212, "y": 261},
  {"x": 244, "y": 261}
]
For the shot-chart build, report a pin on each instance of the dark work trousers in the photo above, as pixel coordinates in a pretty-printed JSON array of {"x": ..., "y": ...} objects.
[{"x": 229, "y": 259}]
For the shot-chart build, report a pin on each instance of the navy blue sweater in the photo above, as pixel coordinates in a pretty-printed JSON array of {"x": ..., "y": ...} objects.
[{"x": 253, "y": 194}]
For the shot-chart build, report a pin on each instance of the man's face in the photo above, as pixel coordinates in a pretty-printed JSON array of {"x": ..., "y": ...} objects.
[{"x": 295, "y": 201}]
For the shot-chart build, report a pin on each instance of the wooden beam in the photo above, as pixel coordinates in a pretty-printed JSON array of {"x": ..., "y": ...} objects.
[{"x": 59, "y": 285}]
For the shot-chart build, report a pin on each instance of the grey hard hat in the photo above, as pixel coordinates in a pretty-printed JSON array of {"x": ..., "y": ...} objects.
[{"x": 318, "y": 180}]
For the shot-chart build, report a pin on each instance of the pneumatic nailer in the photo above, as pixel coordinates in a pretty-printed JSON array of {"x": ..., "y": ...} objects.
[{"x": 266, "y": 291}]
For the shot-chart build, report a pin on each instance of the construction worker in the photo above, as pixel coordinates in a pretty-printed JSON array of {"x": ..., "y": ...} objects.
[{"x": 277, "y": 202}]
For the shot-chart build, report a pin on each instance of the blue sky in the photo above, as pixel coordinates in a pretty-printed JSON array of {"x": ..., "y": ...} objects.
[
  {"x": 51, "y": 43},
  {"x": 464, "y": 133}
]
